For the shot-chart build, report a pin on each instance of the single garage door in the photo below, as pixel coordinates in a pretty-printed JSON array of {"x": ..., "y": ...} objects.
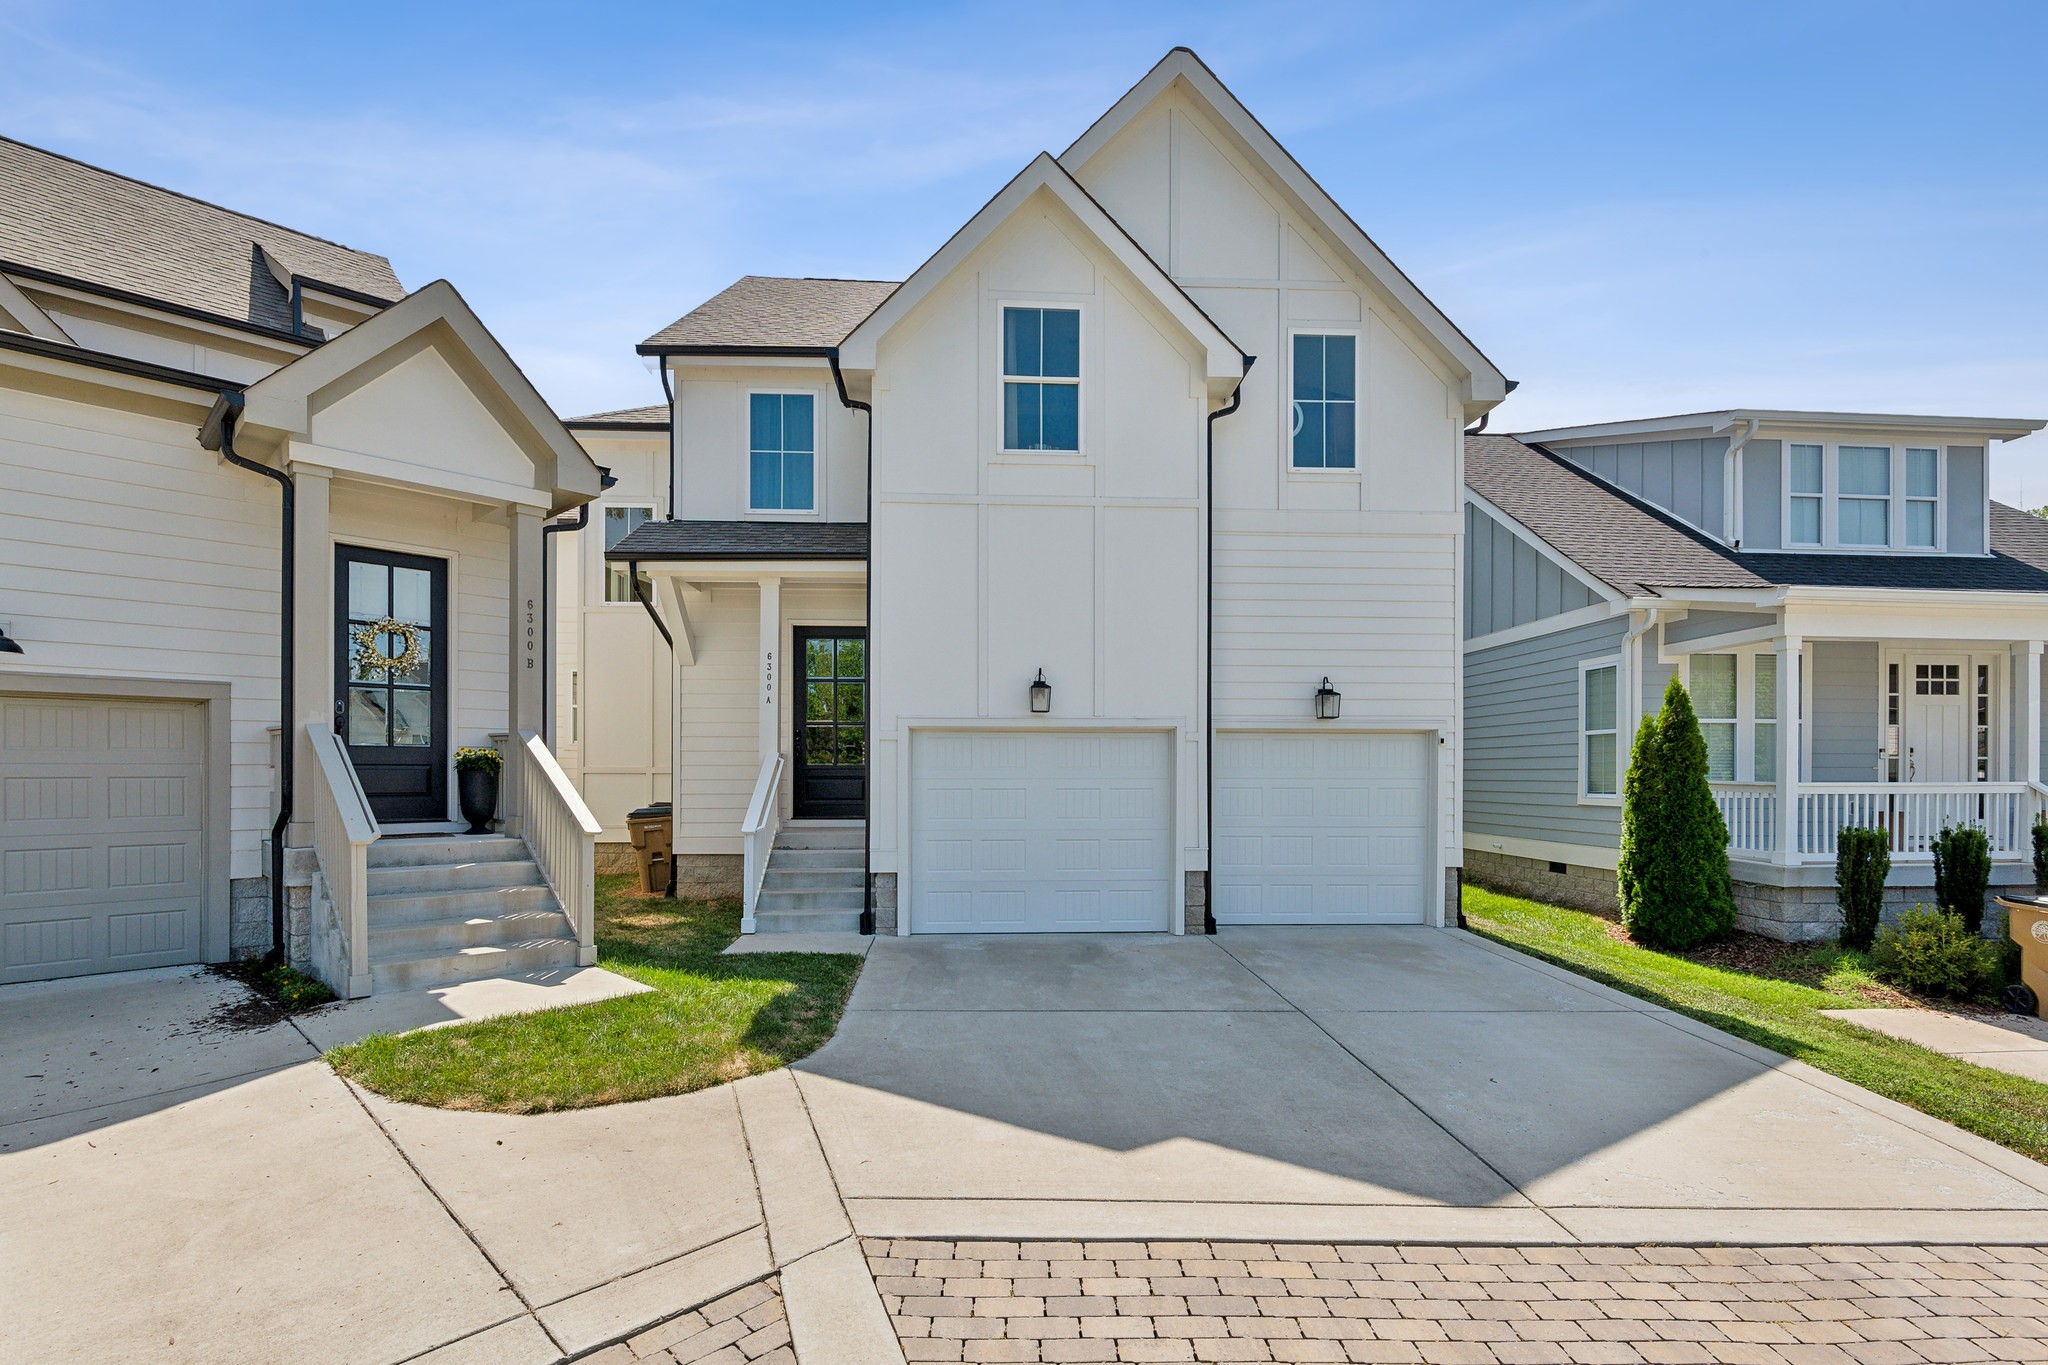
[
  {"x": 1323, "y": 828},
  {"x": 1040, "y": 832},
  {"x": 102, "y": 849}
]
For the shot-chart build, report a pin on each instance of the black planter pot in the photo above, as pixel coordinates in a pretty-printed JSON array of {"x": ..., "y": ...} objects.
[{"x": 478, "y": 790}]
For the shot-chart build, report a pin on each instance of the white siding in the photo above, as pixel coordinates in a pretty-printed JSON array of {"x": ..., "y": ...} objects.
[
  {"x": 717, "y": 725},
  {"x": 711, "y": 412}
]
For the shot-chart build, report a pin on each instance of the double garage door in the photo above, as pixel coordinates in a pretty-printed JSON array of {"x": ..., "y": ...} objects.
[
  {"x": 102, "y": 835},
  {"x": 1065, "y": 831}
]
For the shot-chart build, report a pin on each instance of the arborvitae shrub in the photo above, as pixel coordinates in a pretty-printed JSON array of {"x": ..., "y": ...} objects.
[
  {"x": 1675, "y": 887},
  {"x": 1962, "y": 873},
  {"x": 1863, "y": 860}
]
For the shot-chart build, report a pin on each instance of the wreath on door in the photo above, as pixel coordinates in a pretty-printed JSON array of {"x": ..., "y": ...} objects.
[{"x": 369, "y": 649}]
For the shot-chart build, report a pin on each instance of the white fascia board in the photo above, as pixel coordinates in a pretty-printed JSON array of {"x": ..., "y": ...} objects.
[
  {"x": 1225, "y": 359},
  {"x": 1759, "y": 599},
  {"x": 24, "y": 310},
  {"x": 1485, "y": 386},
  {"x": 1548, "y": 625},
  {"x": 696, "y": 571},
  {"x": 1603, "y": 591},
  {"x": 1712, "y": 423}
]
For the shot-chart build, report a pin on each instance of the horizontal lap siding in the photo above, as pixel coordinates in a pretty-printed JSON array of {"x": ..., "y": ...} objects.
[
  {"x": 128, "y": 551},
  {"x": 1522, "y": 737},
  {"x": 718, "y": 724}
]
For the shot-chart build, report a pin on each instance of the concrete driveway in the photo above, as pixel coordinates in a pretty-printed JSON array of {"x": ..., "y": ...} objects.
[{"x": 1353, "y": 1084}]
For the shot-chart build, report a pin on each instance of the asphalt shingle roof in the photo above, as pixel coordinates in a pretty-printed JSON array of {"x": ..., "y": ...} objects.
[
  {"x": 652, "y": 417},
  {"x": 769, "y": 310},
  {"x": 67, "y": 218},
  {"x": 1640, "y": 551},
  {"x": 657, "y": 540}
]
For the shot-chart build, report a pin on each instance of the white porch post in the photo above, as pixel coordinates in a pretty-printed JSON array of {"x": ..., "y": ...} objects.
[
  {"x": 1787, "y": 651},
  {"x": 2026, "y": 667},
  {"x": 523, "y": 652},
  {"x": 314, "y": 632},
  {"x": 771, "y": 667}
]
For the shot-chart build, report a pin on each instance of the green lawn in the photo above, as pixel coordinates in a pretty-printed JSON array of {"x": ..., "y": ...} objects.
[
  {"x": 708, "y": 1020},
  {"x": 1779, "y": 1007}
]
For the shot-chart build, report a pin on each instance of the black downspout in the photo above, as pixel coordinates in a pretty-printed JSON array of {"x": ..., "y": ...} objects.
[
  {"x": 867, "y": 877},
  {"x": 1480, "y": 426},
  {"x": 1209, "y": 655},
  {"x": 633, "y": 569},
  {"x": 547, "y": 662},
  {"x": 675, "y": 432},
  {"x": 219, "y": 434}
]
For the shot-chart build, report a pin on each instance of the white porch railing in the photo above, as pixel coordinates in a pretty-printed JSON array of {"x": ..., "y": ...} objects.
[
  {"x": 757, "y": 834},
  {"x": 560, "y": 832},
  {"x": 343, "y": 830},
  {"x": 1912, "y": 813}
]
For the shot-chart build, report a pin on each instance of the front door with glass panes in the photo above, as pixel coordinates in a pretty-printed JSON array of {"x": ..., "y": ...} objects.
[
  {"x": 831, "y": 770},
  {"x": 391, "y": 682},
  {"x": 1940, "y": 701}
]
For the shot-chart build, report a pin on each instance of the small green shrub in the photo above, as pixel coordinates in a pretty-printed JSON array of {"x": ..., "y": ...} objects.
[
  {"x": 1673, "y": 874},
  {"x": 292, "y": 988},
  {"x": 1934, "y": 953},
  {"x": 1863, "y": 860},
  {"x": 1962, "y": 873},
  {"x": 2041, "y": 852}
]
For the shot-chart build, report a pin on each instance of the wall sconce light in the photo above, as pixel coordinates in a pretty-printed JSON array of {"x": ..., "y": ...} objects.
[
  {"x": 1041, "y": 695},
  {"x": 1329, "y": 701},
  {"x": 8, "y": 645}
]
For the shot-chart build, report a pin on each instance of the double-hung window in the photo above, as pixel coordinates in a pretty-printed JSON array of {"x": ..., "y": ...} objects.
[
  {"x": 620, "y": 522},
  {"x": 1864, "y": 507},
  {"x": 1325, "y": 434},
  {"x": 1714, "y": 700},
  {"x": 1041, "y": 379},
  {"x": 1923, "y": 497},
  {"x": 1862, "y": 497},
  {"x": 1735, "y": 697},
  {"x": 1599, "y": 730},
  {"x": 1765, "y": 762},
  {"x": 1806, "y": 495},
  {"x": 782, "y": 452}
]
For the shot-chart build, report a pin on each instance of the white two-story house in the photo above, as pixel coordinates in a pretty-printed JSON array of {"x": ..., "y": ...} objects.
[{"x": 1102, "y": 575}]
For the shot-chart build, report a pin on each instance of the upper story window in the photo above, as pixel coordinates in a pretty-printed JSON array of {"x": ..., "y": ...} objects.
[
  {"x": 782, "y": 452},
  {"x": 620, "y": 522},
  {"x": 1325, "y": 434},
  {"x": 1041, "y": 379},
  {"x": 1862, "y": 497}
]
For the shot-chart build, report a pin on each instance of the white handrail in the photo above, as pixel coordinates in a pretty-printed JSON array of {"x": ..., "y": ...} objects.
[
  {"x": 561, "y": 833},
  {"x": 757, "y": 835},
  {"x": 343, "y": 830}
]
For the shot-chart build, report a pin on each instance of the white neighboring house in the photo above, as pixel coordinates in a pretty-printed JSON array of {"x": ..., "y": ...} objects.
[
  {"x": 169, "y": 372},
  {"x": 1159, "y": 428}
]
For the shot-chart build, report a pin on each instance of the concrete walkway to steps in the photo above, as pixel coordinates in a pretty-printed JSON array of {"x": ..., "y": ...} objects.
[
  {"x": 2004, "y": 1042},
  {"x": 169, "y": 1189}
]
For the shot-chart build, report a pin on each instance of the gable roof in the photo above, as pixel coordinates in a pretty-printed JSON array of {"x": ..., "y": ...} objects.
[
  {"x": 1639, "y": 551},
  {"x": 760, "y": 312},
  {"x": 1225, "y": 359},
  {"x": 1485, "y": 384},
  {"x": 77, "y": 222},
  {"x": 653, "y": 418}
]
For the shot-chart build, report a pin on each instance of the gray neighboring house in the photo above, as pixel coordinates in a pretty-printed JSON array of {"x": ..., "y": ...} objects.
[{"x": 1860, "y": 626}]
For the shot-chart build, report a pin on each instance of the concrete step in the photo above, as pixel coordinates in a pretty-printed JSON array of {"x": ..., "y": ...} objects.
[
  {"x": 497, "y": 928},
  {"x": 807, "y": 922},
  {"x": 416, "y": 850},
  {"x": 821, "y": 836},
  {"x": 784, "y": 878},
  {"x": 424, "y": 878},
  {"x": 855, "y": 859},
  {"x": 840, "y": 898},
  {"x": 412, "y": 908},
  {"x": 467, "y": 964}
]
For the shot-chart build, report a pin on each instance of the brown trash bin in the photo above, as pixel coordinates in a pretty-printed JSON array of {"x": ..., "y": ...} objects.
[
  {"x": 653, "y": 834},
  {"x": 2027, "y": 922}
]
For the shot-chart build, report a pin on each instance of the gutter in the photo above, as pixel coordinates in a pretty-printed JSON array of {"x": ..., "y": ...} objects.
[
  {"x": 107, "y": 291},
  {"x": 867, "y": 609},
  {"x": 218, "y": 434},
  {"x": 1209, "y": 653}
]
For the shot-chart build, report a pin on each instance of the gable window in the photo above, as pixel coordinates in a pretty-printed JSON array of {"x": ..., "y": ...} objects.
[
  {"x": 1041, "y": 379},
  {"x": 620, "y": 522},
  {"x": 782, "y": 452},
  {"x": 1923, "y": 497},
  {"x": 1865, "y": 506},
  {"x": 1599, "y": 729},
  {"x": 1806, "y": 495},
  {"x": 1325, "y": 430}
]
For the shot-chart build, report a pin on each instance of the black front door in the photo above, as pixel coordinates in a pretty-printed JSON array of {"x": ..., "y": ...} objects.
[
  {"x": 392, "y": 679},
  {"x": 832, "y": 724}
]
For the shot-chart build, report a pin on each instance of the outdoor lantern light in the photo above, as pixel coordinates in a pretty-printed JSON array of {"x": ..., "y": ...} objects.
[
  {"x": 7, "y": 645},
  {"x": 1041, "y": 695},
  {"x": 1329, "y": 701}
]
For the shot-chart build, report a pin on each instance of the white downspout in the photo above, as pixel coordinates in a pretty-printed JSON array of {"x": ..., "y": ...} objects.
[
  {"x": 1632, "y": 666},
  {"x": 1734, "y": 482}
]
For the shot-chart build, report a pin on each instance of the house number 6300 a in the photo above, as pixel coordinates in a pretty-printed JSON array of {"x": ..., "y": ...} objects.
[
  {"x": 767, "y": 676},
  {"x": 529, "y": 632}
]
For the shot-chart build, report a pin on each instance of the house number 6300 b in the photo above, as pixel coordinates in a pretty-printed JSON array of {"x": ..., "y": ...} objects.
[{"x": 529, "y": 632}]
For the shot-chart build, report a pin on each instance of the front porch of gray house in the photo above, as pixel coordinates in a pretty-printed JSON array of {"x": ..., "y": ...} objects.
[{"x": 1899, "y": 710}]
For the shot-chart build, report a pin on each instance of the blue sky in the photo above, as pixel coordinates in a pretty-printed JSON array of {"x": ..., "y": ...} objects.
[{"x": 1634, "y": 208}]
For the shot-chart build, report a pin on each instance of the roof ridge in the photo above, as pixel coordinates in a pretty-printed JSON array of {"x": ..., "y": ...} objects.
[{"x": 194, "y": 199}]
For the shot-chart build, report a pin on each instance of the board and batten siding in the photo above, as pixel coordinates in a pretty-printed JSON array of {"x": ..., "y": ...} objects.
[
  {"x": 1967, "y": 495},
  {"x": 1763, "y": 491},
  {"x": 136, "y": 554},
  {"x": 1700, "y": 624},
  {"x": 1509, "y": 582},
  {"x": 1844, "y": 727},
  {"x": 1685, "y": 478},
  {"x": 1522, "y": 737}
]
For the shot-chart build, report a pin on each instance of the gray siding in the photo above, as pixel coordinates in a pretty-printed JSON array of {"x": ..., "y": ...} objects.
[
  {"x": 1509, "y": 582},
  {"x": 1845, "y": 718},
  {"x": 1656, "y": 677},
  {"x": 1763, "y": 469},
  {"x": 1685, "y": 478},
  {"x": 1966, "y": 499},
  {"x": 1700, "y": 624},
  {"x": 1522, "y": 738}
]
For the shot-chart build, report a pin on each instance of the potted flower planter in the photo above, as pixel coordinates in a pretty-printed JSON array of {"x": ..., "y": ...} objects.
[{"x": 476, "y": 786}]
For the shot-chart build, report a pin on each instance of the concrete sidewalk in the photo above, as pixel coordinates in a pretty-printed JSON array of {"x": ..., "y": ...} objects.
[{"x": 2010, "y": 1043}]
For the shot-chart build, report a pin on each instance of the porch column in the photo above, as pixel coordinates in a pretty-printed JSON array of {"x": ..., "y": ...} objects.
[
  {"x": 313, "y": 635},
  {"x": 522, "y": 696},
  {"x": 1787, "y": 651},
  {"x": 771, "y": 666},
  {"x": 2026, "y": 667}
]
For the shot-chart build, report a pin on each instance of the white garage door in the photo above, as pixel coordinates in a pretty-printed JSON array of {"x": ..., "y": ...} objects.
[
  {"x": 1040, "y": 832},
  {"x": 102, "y": 848},
  {"x": 1322, "y": 828}
]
